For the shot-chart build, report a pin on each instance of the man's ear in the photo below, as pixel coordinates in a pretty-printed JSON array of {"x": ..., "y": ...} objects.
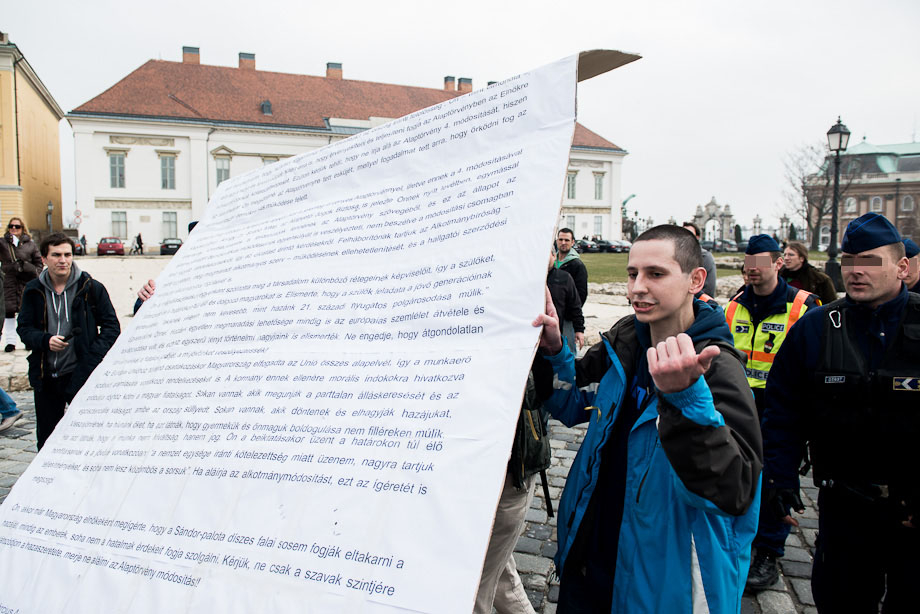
[
  {"x": 697, "y": 279},
  {"x": 903, "y": 268},
  {"x": 779, "y": 263}
]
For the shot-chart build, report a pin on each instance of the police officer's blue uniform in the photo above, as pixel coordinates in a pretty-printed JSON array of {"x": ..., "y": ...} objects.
[{"x": 847, "y": 380}]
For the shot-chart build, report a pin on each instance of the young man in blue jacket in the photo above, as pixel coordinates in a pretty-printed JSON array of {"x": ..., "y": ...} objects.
[{"x": 661, "y": 504}]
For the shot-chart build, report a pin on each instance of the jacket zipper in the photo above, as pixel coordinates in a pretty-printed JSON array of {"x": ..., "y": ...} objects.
[
  {"x": 648, "y": 400},
  {"x": 647, "y": 469}
]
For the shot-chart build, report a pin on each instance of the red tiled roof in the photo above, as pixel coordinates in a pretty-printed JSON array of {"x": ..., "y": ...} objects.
[
  {"x": 585, "y": 138},
  {"x": 218, "y": 93}
]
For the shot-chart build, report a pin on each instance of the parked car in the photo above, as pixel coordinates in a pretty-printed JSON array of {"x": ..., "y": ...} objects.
[
  {"x": 725, "y": 245},
  {"x": 707, "y": 245},
  {"x": 604, "y": 245},
  {"x": 77, "y": 248},
  {"x": 622, "y": 246},
  {"x": 110, "y": 245},
  {"x": 170, "y": 246},
  {"x": 583, "y": 246},
  {"x": 742, "y": 246}
]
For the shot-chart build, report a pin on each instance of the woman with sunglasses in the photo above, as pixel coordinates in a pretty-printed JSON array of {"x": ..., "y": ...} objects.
[{"x": 21, "y": 262}]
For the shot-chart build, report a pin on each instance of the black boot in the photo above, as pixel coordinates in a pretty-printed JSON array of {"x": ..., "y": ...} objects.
[{"x": 764, "y": 570}]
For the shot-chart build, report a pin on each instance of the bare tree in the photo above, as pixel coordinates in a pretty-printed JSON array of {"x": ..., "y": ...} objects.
[{"x": 809, "y": 192}]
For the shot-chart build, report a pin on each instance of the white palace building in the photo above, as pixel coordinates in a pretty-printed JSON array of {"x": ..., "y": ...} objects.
[{"x": 151, "y": 149}]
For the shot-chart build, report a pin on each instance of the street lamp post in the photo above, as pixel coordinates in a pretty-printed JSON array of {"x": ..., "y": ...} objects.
[
  {"x": 837, "y": 138},
  {"x": 50, "y": 212}
]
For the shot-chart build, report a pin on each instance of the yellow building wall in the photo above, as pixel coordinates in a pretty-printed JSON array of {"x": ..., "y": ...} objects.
[
  {"x": 10, "y": 192},
  {"x": 39, "y": 157}
]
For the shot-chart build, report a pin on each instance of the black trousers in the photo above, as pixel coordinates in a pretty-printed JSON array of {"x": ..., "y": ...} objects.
[
  {"x": 864, "y": 553},
  {"x": 50, "y": 403}
]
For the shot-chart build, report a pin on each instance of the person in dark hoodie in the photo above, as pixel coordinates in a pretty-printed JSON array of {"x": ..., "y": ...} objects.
[
  {"x": 661, "y": 503},
  {"x": 69, "y": 324}
]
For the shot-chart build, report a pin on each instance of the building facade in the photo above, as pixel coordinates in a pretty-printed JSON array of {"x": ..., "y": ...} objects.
[
  {"x": 151, "y": 150},
  {"x": 30, "y": 152},
  {"x": 883, "y": 179}
]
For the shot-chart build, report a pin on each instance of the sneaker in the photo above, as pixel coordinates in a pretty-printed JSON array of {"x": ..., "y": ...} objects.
[
  {"x": 10, "y": 421},
  {"x": 9, "y": 348},
  {"x": 764, "y": 571}
]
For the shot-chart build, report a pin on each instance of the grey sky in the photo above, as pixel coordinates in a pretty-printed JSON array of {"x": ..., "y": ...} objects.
[{"x": 723, "y": 92}]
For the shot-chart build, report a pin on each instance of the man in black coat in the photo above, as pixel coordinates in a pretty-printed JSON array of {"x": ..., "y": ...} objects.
[
  {"x": 567, "y": 303},
  {"x": 68, "y": 322}
]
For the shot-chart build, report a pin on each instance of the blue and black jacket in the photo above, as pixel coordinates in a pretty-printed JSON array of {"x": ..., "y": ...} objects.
[{"x": 693, "y": 465}]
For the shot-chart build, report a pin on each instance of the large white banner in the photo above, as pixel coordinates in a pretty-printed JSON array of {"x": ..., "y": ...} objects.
[{"x": 314, "y": 412}]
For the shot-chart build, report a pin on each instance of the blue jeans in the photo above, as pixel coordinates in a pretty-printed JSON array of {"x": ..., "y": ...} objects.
[{"x": 7, "y": 405}]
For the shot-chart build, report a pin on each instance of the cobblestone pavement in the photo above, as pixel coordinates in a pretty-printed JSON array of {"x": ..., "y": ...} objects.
[
  {"x": 537, "y": 545},
  {"x": 17, "y": 443}
]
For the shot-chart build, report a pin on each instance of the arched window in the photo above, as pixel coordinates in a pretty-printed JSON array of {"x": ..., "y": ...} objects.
[
  {"x": 875, "y": 205},
  {"x": 825, "y": 236},
  {"x": 851, "y": 205},
  {"x": 907, "y": 203}
]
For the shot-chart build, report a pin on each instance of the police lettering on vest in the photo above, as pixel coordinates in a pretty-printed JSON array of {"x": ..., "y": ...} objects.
[{"x": 761, "y": 340}]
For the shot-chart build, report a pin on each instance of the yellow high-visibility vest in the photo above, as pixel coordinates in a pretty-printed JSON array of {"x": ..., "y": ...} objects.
[{"x": 761, "y": 343}]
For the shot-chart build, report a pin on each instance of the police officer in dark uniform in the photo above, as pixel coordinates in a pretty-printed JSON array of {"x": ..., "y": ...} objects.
[
  {"x": 912, "y": 251},
  {"x": 847, "y": 382}
]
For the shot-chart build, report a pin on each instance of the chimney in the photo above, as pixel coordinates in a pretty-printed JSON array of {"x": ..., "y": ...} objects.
[
  {"x": 190, "y": 55},
  {"x": 248, "y": 61},
  {"x": 334, "y": 70},
  {"x": 465, "y": 85},
  {"x": 449, "y": 83}
]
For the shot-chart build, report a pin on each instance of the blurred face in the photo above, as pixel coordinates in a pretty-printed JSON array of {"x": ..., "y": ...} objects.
[
  {"x": 792, "y": 259},
  {"x": 564, "y": 243},
  {"x": 657, "y": 289},
  {"x": 873, "y": 277},
  {"x": 59, "y": 261},
  {"x": 913, "y": 271},
  {"x": 761, "y": 270},
  {"x": 15, "y": 227}
]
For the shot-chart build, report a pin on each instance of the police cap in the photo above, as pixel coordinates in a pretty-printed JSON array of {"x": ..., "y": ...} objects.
[
  {"x": 868, "y": 232},
  {"x": 762, "y": 243},
  {"x": 911, "y": 249}
]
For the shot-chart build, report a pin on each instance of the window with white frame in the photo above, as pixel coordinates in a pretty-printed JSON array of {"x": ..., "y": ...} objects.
[
  {"x": 570, "y": 185},
  {"x": 223, "y": 169},
  {"x": 598, "y": 225},
  {"x": 875, "y": 205},
  {"x": 824, "y": 238},
  {"x": 170, "y": 225},
  {"x": 907, "y": 203},
  {"x": 168, "y": 171},
  {"x": 851, "y": 205},
  {"x": 570, "y": 222},
  {"x": 120, "y": 224},
  {"x": 117, "y": 169},
  {"x": 598, "y": 186}
]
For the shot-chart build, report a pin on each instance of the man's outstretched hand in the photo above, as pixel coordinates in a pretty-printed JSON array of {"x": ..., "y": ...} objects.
[
  {"x": 674, "y": 364},
  {"x": 551, "y": 339}
]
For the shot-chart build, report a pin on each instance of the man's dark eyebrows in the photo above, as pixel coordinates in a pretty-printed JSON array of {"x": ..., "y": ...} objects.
[{"x": 653, "y": 268}]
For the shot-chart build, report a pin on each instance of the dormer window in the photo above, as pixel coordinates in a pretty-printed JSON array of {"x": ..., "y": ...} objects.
[{"x": 266, "y": 107}]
